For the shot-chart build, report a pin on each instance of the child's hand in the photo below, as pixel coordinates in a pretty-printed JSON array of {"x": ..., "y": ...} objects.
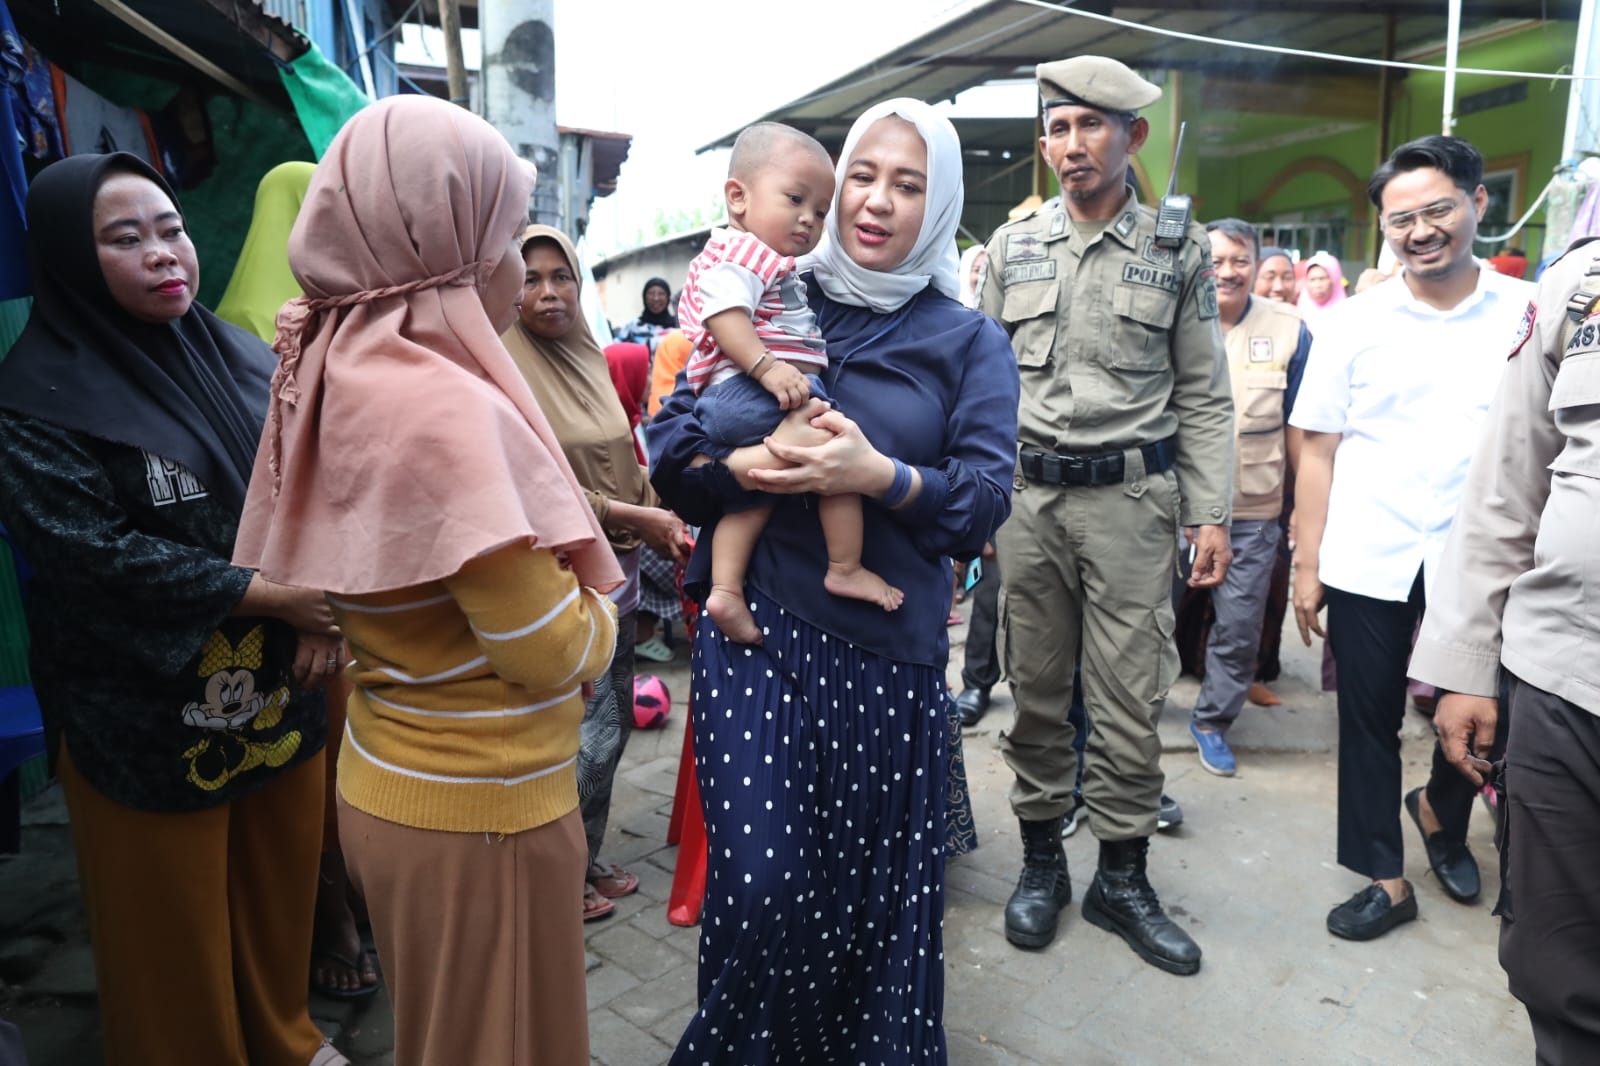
[{"x": 787, "y": 384}]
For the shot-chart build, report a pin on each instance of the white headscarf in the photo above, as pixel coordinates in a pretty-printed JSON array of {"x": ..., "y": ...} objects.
[
  {"x": 933, "y": 257},
  {"x": 969, "y": 293}
]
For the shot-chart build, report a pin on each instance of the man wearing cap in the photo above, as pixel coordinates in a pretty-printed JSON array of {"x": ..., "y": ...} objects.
[{"x": 1125, "y": 433}]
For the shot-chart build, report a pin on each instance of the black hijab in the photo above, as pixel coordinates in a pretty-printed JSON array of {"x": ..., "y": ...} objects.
[
  {"x": 194, "y": 389},
  {"x": 664, "y": 319}
]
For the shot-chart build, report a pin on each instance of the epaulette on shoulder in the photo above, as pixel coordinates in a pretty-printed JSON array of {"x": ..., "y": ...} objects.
[{"x": 1583, "y": 301}]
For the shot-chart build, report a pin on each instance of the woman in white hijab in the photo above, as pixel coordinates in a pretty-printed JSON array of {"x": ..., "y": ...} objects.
[
  {"x": 824, "y": 752},
  {"x": 972, "y": 261}
]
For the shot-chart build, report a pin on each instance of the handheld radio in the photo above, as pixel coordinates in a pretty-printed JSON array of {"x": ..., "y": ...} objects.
[{"x": 1172, "y": 218}]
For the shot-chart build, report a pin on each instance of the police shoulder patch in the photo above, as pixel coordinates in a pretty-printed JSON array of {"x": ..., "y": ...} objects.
[
  {"x": 1207, "y": 295},
  {"x": 1524, "y": 329}
]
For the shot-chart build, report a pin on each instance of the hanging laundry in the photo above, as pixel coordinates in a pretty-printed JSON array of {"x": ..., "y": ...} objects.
[
  {"x": 33, "y": 106},
  {"x": 91, "y": 123},
  {"x": 13, "y": 218}
]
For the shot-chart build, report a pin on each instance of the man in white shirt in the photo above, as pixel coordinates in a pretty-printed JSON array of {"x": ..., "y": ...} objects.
[{"x": 1398, "y": 384}]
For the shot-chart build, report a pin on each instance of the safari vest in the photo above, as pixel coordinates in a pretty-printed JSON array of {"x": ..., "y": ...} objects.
[{"x": 1259, "y": 348}]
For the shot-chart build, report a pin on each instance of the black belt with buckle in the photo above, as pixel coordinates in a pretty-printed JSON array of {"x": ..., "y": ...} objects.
[{"x": 1102, "y": 468}]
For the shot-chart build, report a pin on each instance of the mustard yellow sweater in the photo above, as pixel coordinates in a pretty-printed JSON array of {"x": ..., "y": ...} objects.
[{"x": 467, "y": 698}]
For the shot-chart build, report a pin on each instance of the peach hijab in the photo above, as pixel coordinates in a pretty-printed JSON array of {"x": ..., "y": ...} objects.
[{"x": 401, "y": 440}]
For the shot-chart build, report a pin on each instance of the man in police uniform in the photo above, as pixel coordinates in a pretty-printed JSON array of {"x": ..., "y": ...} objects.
[
  {"x": 1502, "y": 619},
  {"x": 1125, "y": 433}
]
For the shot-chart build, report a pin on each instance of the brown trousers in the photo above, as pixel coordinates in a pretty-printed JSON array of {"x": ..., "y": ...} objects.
[
  {"x": 480, "y": 936},
  {"x": 201, "y": 922}
]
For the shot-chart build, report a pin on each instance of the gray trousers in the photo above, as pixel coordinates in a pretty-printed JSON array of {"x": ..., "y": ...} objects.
[
  {"x": 1239, "y": 603},
  {"x": 981, "y": 668}
]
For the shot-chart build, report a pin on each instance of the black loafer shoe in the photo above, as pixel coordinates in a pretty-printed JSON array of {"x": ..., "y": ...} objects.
[
  {"x": 1369, "y": 913},
  {"x": 1452, "y": 863},
  {"x": 972, "y": 704}
]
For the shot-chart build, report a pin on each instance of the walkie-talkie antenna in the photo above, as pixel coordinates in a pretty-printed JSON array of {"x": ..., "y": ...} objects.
[{"x": 1177, "y": 153}]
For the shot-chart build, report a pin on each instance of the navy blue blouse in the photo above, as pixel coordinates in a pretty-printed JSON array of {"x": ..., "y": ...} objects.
[{"x": 932, "y": 384}]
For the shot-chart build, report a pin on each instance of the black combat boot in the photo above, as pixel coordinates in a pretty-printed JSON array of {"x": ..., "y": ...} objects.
[
  {"x": 1043, "y": 889},
  {"x": 1121, "y": 901}
]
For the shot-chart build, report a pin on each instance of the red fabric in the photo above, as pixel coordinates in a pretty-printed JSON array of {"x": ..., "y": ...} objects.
[
  {"x": 1514, "y": 266},
  {"x": 629, "y": 365},
  {"x": 687, "y": 826}
]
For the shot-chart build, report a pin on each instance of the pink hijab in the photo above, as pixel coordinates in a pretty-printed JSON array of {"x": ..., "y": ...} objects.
[
  {"x": 1309, "y": 308},
  {"x": 401, "y": 440}
]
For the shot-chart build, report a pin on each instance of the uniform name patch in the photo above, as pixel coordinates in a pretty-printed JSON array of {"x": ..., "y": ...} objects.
[
  {"x": 1261, "y": 349},
  {"x": 1156, "y": 278},
  {"x": 1024, "y": 246},
  {"x": 1524, "y": 328},
  {"x": 1042, "y": 270},
  {"x": 1161, "y": 257},
  {"x": 1585, "y": 337}
]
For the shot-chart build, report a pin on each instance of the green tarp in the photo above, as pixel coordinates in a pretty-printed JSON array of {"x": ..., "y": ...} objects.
[{"x": 324, "y": 97}]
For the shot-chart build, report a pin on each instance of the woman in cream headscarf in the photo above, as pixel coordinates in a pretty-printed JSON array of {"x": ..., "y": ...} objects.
[
  {"x": 406, "y": 468},
  {"x": 567, "y": 370},
  {"x": 825, "y": 751}
]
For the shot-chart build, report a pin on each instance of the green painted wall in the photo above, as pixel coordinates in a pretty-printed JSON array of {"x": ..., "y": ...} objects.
[{"x": 1229, "y": 184}]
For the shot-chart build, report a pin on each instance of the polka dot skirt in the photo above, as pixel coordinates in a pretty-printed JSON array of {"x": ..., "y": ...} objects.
[{"x": 823, "y": 771}]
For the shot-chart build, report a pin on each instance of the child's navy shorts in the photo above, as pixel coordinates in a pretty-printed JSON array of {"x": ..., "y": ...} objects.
[{"x": 739, "y": 412}]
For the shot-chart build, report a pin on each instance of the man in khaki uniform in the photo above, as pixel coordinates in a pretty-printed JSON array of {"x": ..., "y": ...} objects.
[
  {"x": 1266, "y": 344},
  {"x": 1125, "y": 432},
  {"x": 1498, "y": 604}
]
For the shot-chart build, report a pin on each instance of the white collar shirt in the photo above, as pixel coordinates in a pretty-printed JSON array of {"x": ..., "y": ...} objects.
[{"x": 1407, "y": 386}]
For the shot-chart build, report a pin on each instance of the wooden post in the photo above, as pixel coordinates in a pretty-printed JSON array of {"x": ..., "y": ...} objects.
[
  {"x": 199, "y": 62},
  {"x": 455, "y": 66}
]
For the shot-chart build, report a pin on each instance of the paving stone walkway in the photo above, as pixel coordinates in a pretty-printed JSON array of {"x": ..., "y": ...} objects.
[{"x": 1250, "y": 874}]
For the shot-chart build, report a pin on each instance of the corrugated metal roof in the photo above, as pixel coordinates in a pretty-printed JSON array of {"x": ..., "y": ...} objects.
[
  {"x": 240, "y": 36},
  {"x": 993, "y": 40}
]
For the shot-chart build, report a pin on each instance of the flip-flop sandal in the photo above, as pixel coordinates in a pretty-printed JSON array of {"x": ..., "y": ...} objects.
[
  {"x": 655, "y": 650},
  {"x": 612, "y": 882},
  {"x": 362, "y": 964},
  {"x": 328, "y": 1055},
  {"x": 595, "y": 906}
]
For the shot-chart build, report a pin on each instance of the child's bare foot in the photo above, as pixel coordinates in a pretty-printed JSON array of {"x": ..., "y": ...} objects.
[
  {"x": 727, "y": 608},
  {"x": 859, "y": 583}
]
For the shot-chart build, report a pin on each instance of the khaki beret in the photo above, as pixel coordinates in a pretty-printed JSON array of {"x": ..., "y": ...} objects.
[{"x": 1094, "y": 81}]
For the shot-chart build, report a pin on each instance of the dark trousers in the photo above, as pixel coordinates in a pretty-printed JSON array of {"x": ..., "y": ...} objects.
[
  {"x": 1372, "y": 641},
  {"x": 981, "y": 668},
  {"x": 1550, "y": 851}
]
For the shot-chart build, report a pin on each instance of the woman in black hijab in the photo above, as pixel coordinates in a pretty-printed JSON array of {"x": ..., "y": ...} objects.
[
  {"x": 655, "y": 320},
  {"x": 176, "y": 688}
]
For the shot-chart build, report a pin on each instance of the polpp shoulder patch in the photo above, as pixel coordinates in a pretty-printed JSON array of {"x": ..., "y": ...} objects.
[
  {"x": 1207, "y": 296},
  {"x": 1524, "y": 329}
]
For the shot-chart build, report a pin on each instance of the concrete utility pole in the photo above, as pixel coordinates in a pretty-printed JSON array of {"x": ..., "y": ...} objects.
[{"x": 519, "y": 90}]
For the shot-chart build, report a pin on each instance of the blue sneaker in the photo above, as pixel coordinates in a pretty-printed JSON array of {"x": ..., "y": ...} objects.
[{"x": 1215, "y": 755}]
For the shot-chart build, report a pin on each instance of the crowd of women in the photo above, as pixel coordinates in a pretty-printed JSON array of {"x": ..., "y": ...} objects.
[{"x": 427, "y": 492}]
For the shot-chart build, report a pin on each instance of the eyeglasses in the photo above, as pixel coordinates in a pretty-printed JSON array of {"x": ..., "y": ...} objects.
[
  {"x": 1439, "y": 214},
  {"x": 1238, "y": 262}
]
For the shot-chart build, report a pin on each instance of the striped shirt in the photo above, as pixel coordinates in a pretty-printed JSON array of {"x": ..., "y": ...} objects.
[
  {"x": 737, "y": 270},
  {"x": 468, "y": 694}
]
